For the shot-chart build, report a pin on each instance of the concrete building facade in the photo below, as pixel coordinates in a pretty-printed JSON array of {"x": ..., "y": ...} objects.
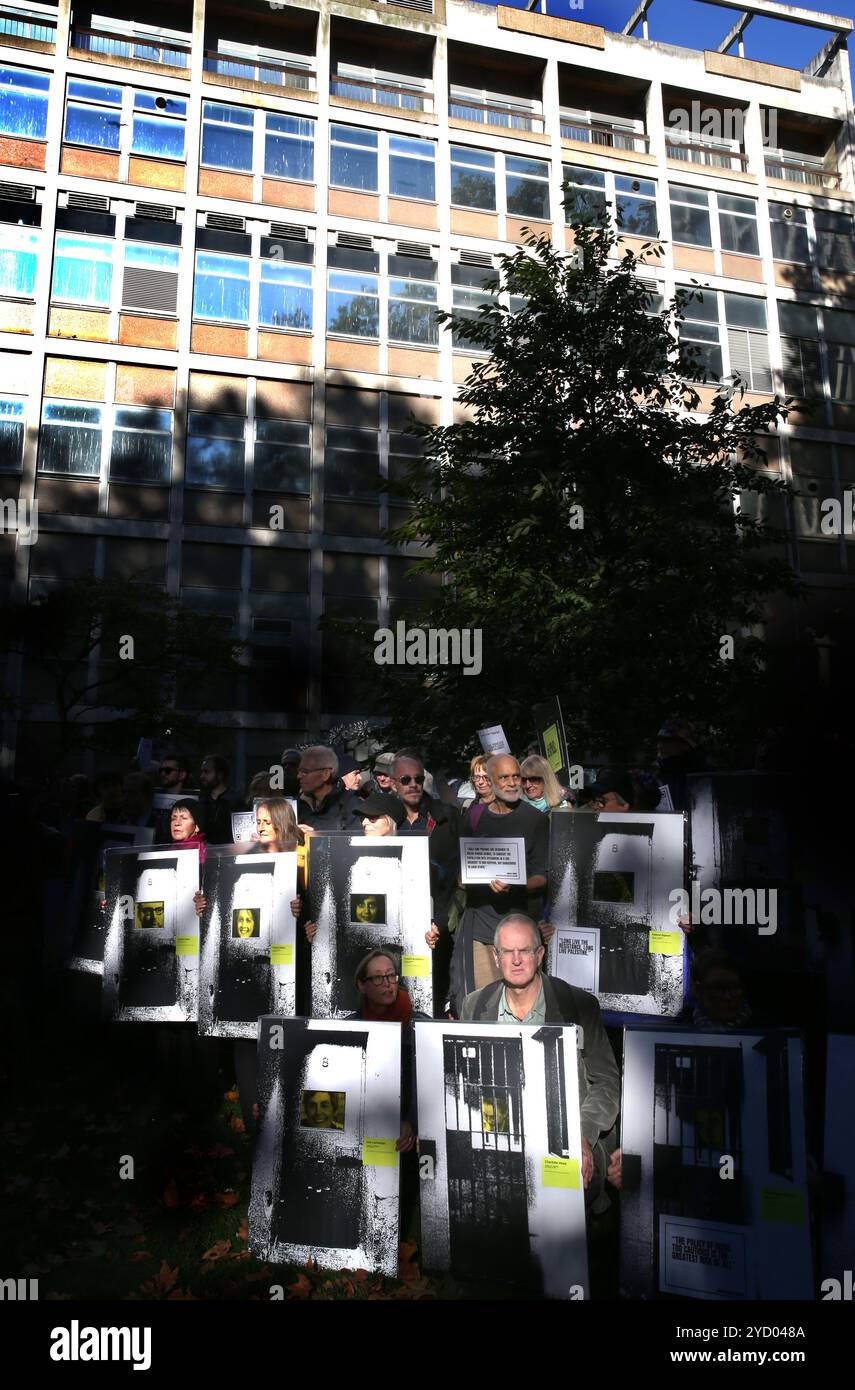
[{"x": 223, "y": 233}]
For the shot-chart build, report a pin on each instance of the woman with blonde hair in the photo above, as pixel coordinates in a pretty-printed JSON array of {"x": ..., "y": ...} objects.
[
  {"x": 275, "y": 826},
  {"x": 541, "y": 788},
  {"x": 479, "y": 783}
]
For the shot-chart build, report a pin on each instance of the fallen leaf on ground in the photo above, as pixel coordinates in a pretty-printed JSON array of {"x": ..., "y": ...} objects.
[
  {"x": 237, "y": 1124},
  {"x": 217, "y": 1251},
  {"x": 301, "y": 1288},
  {"x": 140, "y": 1255},
  {"x": 162, "y": 1283},
  {"x": 227, "y": 1199}
]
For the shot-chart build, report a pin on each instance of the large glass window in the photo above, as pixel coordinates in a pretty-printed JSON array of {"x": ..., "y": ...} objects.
[
  {"x": 835, "y": 240},
  {"x": 473, "y": 178},
  {"x": 412, "y": 311},
  {"x": 159, "y": 130},
  {"x": 700, "y": 332},
  {"x": 472, "y": 286},
  {"x": 289, "y": 147},
  {"x": 23, "y": 102},
  {"x": 737, "y": 220},
  {"x": 226, "y": 137},
  {"x": 840, "y": 343},
  {"x": 11, "y": 432},
  {"x": 411, "y": 168},
  {"x": 635, "y": 201},
  {"x": 19, "y": 248},
  {"x": 215, "y": 450},
  {"x": 282, "y": 456},
  {"x": 353, "y": 305},
  {"x": 141, "y": 447},
  {"x": 404, "y": 450},
  {"x": 285, "y": 299},
  {"x": 790, "y": 241},
  {"x": 353, "y": 158},
  {"x": 527, "y": 187},
  {"x": 351, "y": 463},
  {"x": 800, "y": 350},
  {"x": 221, "y": 290},
  {"x": 690, "y": 216},
  {"x": 585, "y": 199},
  {"x": 70, "y": 439},
  {"x": 82, "y": 270},
  {"x": 93, "y": 115}
]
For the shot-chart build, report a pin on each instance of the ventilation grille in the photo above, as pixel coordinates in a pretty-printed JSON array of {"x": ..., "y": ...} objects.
[
  {"x": 157, "y": 211},
  {"x": 224, "y": 222},
  {"x": 426, "y": 6},
  {"x": 289, "y": 231},
  {"x": 354, "y": 241},
  {"x": 155, "y": 291},
  {"x": 414, "y": 248},
  {"x": 91, "y": 202},
  {"x": 20, "y": 192},
  {"x": 476, "y": 258}
]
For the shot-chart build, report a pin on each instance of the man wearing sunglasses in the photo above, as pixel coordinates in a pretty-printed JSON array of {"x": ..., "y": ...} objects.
[{"x": 426, "y": 815}]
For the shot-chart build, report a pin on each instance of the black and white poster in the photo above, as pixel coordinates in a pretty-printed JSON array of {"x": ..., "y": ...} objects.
[
  {"x": 838, "y": 1168},
  {"x": 502, "y": 1195},
  {"x": 325, "y": 1173},
  {"x": 86, "y": 918},
  {"x": 248, "y": 941},
  {"x": 368, "y": 893},
  {"x": 151, "y": 954},
  {"x": 612, "y": 877},
  {"x": 714, "y": 1202}
]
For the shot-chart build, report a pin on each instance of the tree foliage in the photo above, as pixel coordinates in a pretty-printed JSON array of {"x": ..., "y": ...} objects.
[{"x": 586, "y": 410}]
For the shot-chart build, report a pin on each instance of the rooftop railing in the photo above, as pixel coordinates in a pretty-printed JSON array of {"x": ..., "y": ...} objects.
[
  {"x": 18, "y": 22},
  {"x": 511, "y": 118},
  {"x": 800, "y": 168},
  {"x": 398, "y": 94},
  {"x": 271, "y": 72},
  {"x": 132, "y": 48},
  {"x": 617, "y": 137},
  {"x": 699, "y": 149}
]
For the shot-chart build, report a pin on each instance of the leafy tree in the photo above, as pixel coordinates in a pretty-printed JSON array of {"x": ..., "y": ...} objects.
[
  {"x": 602, "y": 533},
  {"x": 72, "y": 642}
]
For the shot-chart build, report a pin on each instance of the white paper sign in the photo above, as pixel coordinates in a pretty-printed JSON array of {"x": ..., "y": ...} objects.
[
  {"x": 493, "y": 740},
  {"x": 576, "y": 957},
  {"x": 243, "y": 826},
  {"x": 703, "y": 1259},
  {"x": 482, "y": 859}
]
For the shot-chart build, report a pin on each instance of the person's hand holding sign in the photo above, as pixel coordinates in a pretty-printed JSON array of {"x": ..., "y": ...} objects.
[{"x": 498, "y": 886}]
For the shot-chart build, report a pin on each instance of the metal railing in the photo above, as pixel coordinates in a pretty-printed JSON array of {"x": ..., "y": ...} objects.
[
  {"x": 140, "y": 49},
  {"x": 27, "y": 24},
  {"x": 509, "y": 117},
  {"x": 715, "y": 154},
  {"x": 598, "y": 133},
  {"x": 271, "y": 72},
  {"x": 381, "y": 93},
  {"x": 796, "y": 168}
]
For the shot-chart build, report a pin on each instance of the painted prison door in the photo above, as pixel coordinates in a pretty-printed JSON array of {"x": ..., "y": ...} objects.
[
  {"x": 621, "y": 894},
  {"x": 149, "y": 977},
  {"x": 322, "y": 1171},
  {"x": 485, "y": 1147}
]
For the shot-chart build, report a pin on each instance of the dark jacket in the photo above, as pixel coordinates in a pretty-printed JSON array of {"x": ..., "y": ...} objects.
[
  {"x": 599, "y": 1079},
  {"x": 334, "y": 816},
  {"x": 216, "y": 816},
  {"x": 444, "y": 854}
]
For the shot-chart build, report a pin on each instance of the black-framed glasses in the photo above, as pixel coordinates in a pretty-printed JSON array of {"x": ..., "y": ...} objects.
[
  {"x": 419, "y": 777},
  {"x": 388, "y": 979}
]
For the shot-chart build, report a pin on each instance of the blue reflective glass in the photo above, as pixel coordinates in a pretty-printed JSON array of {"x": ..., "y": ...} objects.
[
  {"x": 352, "y": 135},
  {"x": 70, "y": 440},
  {"x": 95, "y": 91},
  {"x": 160, "y": 105},
  {"x": 214, "y": 462},
  {"x": 473, "y": 187},
  {"x": 227, "y": 137},
  {"x": 161, "y": 138},
  {"x": 82, "y": 270},
  {"x": 11, "y": 432},
  {"x": 23, "y": 102},
  {"x": 149, "y": 256},
  {"x": 18, "y": 266},
  {"x": 354, "y": 167},
  {"x": 92, "y": 125},
  {"x": 289, "y": 151},
  {"x": 411, "y": 177},
  {"x": 285, "y": 297},
  {"x": 352, "y": 305},
  {"x": 221, "y": 290}
]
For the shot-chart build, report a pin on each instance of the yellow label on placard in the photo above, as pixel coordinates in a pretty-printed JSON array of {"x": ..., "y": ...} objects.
[
  {"x": 552, "y": 744},
  {"x": 781, "y": 1204},
  {"x": 559, "y": 1172},
  {"x": 665, "y": 943},
  {"x": 379, "y": 1153},
  {"x": 415, "y": 967},
  {"x": 302, "y": 856},
  {"x": 282, "y": 955},
  {"x": 186, "y": 945}
]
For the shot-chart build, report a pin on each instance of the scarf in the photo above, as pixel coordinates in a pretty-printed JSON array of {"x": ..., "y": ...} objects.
[
  {"x": 540, "y": 803},
  {"x": 195, "y": 841},
  {"x": 400, "y": 1012}
]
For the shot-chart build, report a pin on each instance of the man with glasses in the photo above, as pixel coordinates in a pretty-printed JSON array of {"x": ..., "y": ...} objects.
[
  {"x": 427, "y": 815},
  {"x": 506, "y": 817},
  {"x": 523, "y": 994},
  {"x": 324, "y": 806}
]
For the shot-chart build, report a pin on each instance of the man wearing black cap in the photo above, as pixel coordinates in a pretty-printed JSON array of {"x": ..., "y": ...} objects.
[
  {"x": 349, "y": 772},
  {"x": 612, "y": 791},
  {"x": 380, "y": 814},
  {"x": 383, "y": 766}
]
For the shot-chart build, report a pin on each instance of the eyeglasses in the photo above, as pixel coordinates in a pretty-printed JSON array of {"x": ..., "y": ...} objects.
[
  {"x": 505, "y": 951},
  {"x": 480, "y": 777},
  {"x": 372, "y": 819},
  {"x": 380, "y": 979},
  {"x": 419, "y": 777}
]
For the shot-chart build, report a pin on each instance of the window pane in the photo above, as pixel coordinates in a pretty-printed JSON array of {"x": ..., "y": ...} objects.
[
  {"x": 352, "y": 305},
  {"x": 473, "y": 179},
  {"x": 798, "y": 320},
  {"x": 23, "y": 102},
  {"x": 148, "y": 255},
  {"x": 289, "y": 151},
  {"x": 353, "y": 158},
  {"x": 355, "y": 471},
  {"x": 226, "y": 137},
  {"x": 527, "y": 197},
  {"x": 285, "y": 298},
  {"x": 690, "y": 225},
  {"x": 637, "y": 216},
  {"x": 11, "y": 432},
  {"x": 158, "y": 137},
  {"x": 412, "y": 312},
  {"x": 70, "y": 440},
  {"x": 18, "y": 261},
  {"x": 222, "y": 288},
  {"x": 282, "y": 431},
  {"x": 739, "y": 233},
  {"x": 215, "y": 462},
  {"x": 228, "y": 426},
  {"x": 411, "y": 168},
  {"x": 141, "y": 447},
  {"x": 92, "y": 125},
  {"x": 743, "y": 311},
  {"x": 281, "y": 465},
  {"x": 82, "y": 270}
]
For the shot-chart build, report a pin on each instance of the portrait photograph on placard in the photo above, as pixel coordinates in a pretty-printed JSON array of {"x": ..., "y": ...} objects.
[
  {"x": 611, "y": 877},
  {"x": 247, "y": 954},
  {"x": 714, "y": 1167},
  {"x": 151, "y": 953},
  {"x": 325, "y": 1171},
  {"x": 498, "y": 1110},
  {"x": 365, "y": 895}
]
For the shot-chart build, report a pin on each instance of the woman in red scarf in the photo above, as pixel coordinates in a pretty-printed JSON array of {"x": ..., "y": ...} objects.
[
  {"x": 384, "y": 1000},
  {"x": 184, "y": 826}
]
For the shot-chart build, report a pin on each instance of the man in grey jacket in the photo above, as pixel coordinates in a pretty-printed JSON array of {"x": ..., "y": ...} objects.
[{"x": 525, "y": 995}]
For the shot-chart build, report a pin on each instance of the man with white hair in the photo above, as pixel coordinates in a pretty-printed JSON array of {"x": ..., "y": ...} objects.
[
  {"x": 523, "y": 994},
  {"x": 324, "y": 807}
]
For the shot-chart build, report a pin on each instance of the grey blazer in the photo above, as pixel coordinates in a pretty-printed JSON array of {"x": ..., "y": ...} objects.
[{"x": 599, "y": 1079}]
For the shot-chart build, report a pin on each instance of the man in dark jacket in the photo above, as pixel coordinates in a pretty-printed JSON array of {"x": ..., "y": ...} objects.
[
  {"x": 525, "y": 995},
  {"x": 324, "y": 807}
]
